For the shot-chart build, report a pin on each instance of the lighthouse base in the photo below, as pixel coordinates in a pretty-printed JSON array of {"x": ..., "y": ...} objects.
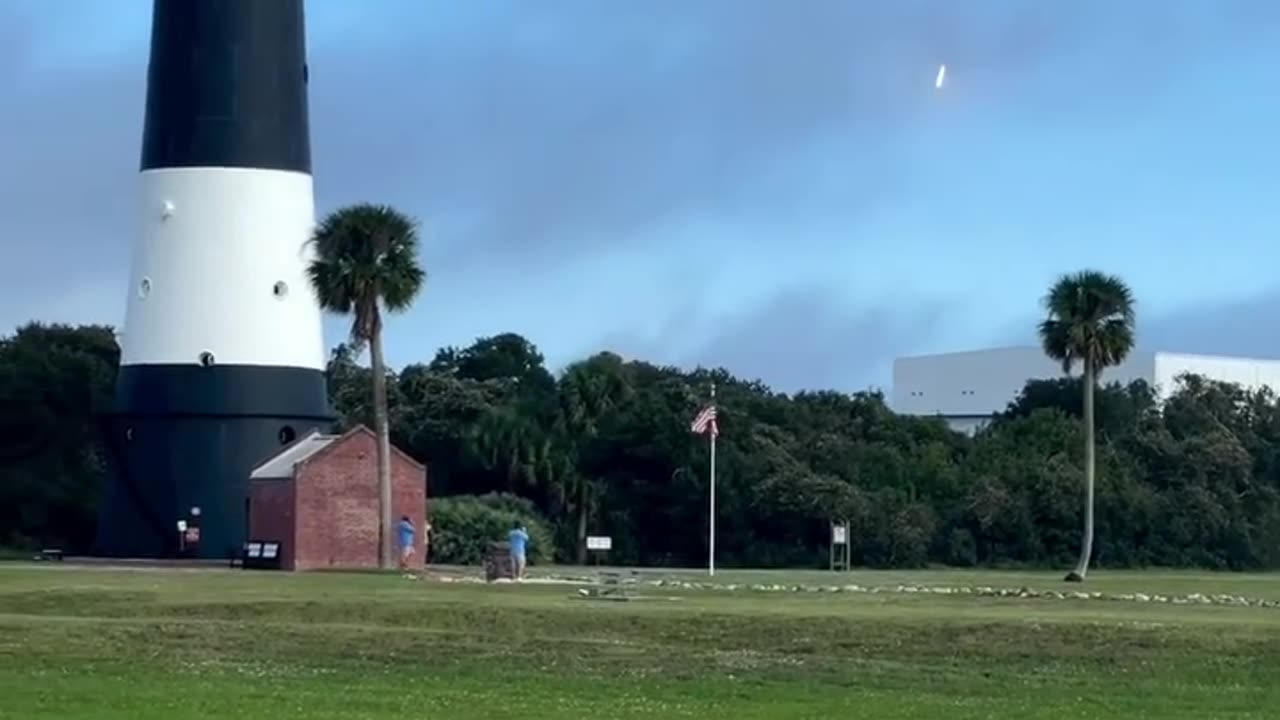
[{"x": 180, "y": 448}]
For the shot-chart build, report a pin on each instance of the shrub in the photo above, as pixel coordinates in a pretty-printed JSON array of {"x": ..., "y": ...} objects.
[{"x": 464, "y": 525}]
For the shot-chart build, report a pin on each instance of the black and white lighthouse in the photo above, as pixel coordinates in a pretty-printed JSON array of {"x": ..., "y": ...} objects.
[{"x": 222, "y": 356}]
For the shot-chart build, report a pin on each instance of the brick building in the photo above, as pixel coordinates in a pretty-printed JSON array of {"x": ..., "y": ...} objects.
[{"x": 319, "y": 498}]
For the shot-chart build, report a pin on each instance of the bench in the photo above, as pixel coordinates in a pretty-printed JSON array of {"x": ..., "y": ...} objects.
[
  {"x": 50, "y": 555},
  {"x": 262, "y": 555}
]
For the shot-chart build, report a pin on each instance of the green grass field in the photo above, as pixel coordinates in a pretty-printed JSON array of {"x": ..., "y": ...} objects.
[{"x": 99, "y": 643}]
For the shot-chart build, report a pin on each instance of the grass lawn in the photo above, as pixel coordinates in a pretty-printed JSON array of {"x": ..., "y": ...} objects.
[{"x": 102, "y": 643}]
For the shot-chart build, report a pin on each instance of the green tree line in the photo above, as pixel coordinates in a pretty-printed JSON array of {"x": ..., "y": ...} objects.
[{"x": 603, "y": 446}]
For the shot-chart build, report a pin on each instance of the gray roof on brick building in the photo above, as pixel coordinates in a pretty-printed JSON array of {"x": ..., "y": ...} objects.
[{"x": 281, "y": 466}]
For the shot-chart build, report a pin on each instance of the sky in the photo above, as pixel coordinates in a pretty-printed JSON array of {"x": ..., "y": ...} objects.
[{"x": 773, "y": 187}]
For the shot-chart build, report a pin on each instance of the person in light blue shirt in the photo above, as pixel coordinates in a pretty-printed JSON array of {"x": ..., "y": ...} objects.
[
  {"x": 518, "y": 539},
  {"x": 405, "y": 533}
]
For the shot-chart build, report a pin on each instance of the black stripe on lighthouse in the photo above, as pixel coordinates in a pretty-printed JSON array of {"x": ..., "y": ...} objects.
[{"x": 227, "y": 86}]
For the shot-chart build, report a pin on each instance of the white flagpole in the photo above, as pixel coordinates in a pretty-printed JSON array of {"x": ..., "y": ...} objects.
[{"x": 711, "y": 544}]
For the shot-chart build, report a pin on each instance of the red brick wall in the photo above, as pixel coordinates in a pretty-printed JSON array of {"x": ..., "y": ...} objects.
[
  {"x": 337, "y": 504},
  {"x": 271, "y": 516}
]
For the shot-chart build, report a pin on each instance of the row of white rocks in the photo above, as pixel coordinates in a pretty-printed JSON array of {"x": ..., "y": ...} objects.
[
  {"x": 985, "y": 591},
  {"x": 979, "y": 591}
]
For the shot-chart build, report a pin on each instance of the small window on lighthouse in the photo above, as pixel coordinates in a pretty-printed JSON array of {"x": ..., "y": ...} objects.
[
  {"x": 280, "y": 289},
  {"x": 287, "y": 435},
  {"x": 206, "y": 359},
  {"x": 144, "y": 288}
]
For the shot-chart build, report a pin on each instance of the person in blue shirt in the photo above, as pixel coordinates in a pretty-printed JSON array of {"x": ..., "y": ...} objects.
[
  {"x": 404, "y": 532},
  {"x": 518, "y": 538}
]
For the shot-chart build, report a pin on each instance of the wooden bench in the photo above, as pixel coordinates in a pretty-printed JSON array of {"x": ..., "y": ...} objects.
[{"x": 262, "y": 555}]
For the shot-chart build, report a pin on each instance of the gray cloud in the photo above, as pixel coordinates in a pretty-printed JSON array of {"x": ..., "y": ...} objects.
[
  {"x": 70, "y": 149},
  {"x": 800, "y": 338},
  {"x": 804, "y": 339},
  {"x": 1246, "y": 328}
]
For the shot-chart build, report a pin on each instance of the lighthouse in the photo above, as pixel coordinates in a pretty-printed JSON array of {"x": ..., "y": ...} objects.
[{"x": 222, "y": 355}]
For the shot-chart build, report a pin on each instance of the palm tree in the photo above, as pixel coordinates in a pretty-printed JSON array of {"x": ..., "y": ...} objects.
[
  {"x": 1090, "y": 320},
  {"x": 366, "y": 260},
  {"x": 590, "y": 391}
]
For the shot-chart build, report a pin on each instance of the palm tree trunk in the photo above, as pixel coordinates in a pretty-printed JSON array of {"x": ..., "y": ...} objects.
[
  {"x": 1086, "y": 546},
  {"x": 380, "y": 428}
]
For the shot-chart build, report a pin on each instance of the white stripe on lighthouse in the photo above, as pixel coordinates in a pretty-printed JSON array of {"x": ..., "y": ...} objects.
[{"x": 220, "y": 268}]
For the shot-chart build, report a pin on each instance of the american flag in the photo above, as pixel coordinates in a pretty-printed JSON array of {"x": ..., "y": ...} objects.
[{"x": 706, "y": 421}]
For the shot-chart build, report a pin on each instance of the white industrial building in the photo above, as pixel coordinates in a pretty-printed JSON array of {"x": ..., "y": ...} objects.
[{"x": 967, "y": 388}]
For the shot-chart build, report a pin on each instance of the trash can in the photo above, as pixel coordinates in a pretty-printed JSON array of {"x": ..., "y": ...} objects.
[{"x": 497, "y": 562}]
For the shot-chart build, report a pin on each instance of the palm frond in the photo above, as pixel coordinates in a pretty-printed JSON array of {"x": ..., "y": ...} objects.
[
  {"x": 1090, "y": 318},
  {"x": 333, "y": 286},
  {"x": 366, "y": 257}
]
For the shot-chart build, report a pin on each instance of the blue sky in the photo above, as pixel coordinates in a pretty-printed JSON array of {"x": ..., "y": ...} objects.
[{"x": 773, "y": 187}]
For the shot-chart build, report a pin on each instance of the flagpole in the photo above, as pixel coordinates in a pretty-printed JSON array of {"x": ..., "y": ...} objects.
[{"x": 711, "y": 544}]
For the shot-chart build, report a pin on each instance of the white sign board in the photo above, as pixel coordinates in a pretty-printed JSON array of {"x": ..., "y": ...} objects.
[
  {"x": 599, "y": 542},
  {"x": 839, "y": 534}
]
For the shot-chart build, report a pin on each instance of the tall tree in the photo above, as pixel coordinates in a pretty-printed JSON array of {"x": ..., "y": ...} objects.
[
  {"x": 590, "y": 393},
  {"x": 53, "y": 378},
  {"x": 1090, "y": 320},
  {"x": 366, "y": 260}
]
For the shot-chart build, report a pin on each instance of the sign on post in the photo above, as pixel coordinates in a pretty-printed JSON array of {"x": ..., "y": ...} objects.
[
  {"x": 840, "y": 552},
  {"x": 839, "y": 534},
  {"x": 598, "y": 545}
]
